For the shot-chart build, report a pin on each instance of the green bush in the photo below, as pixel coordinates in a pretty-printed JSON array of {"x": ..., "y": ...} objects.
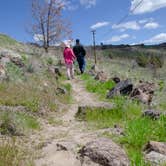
[
  {"x": 15, "y": 123},
  {"x": 49, "y": 61},
  {"x": 142, "y": 60},
  {"x": 14, "y": 72},
  {"x": 30, "y": 68},
  {"x": 156, "y": 61},
  {"x": 12, "y": 155}
]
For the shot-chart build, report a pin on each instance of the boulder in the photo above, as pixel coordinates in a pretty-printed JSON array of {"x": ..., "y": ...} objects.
[
  {"x": 153, "y": 114},
  {"x": 124, "y": 87},
  {"x": 10, "y": 56},
  {"x": 101, "y": 76},
  {"x": 17, "y": 61},
  {"x": 57, "y": 72},
  {"x": 60, "y": 91},
  {"x": 104, "y": 152},
  {"x": 155, "y": 152},
  {"x": 156, "y": 159},
  {"x": 159, "y": 147},
  {"x": 143, "y": 92},
  {"x": 116, "y": 79},
  {"x": 8, "y": 129}
]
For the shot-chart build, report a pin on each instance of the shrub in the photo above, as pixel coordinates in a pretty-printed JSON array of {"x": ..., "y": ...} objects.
[
  {"x": 142, "y": 60},
  {"x": 12, "y": 155},
  {"x": 49, "y": 61},
  {"x": 30, "y": 68},
  {"x": 14, "y": 72}
]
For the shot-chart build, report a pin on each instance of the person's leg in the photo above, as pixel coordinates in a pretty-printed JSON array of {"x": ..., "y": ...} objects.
[
  {"x": 79, "y": 63},
  {"x": 83, "y": 64},
  {"x": 68, "y": 71},
  {"x": 72, "y": 71}
]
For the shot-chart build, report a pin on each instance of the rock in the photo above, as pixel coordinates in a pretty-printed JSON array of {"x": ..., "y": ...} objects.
[
  {"x": 124, "y": 87},
  {"x": 7, "y": 129},
  {"x": 155, "y": 158},
  {"x": 101, "y": 76},
  {"x": 118, "y": 131},
  {"x": 104, "y": 152},
  {"x": 60, "y": 91},
  {"x": 159, "y": 147},
  {"x": 116, "y": 79},
  {"x": 17, "y": 61},
  {"x": 61, "y": 147},
  {"x": 155, "y": 152},
  {"x": 8, "y": 55},
  {"x": 67, "y": 145},
  {"x": 57, "y": 72},
  {"x": 153, "y": 114},
  {"x": 143, "y": 92}
]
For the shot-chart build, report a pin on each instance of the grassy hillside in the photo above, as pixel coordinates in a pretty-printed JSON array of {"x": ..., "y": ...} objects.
[{"x": 6, "y": 41}]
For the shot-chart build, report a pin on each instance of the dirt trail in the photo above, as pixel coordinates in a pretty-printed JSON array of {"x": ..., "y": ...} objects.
[{"x": 58, "y": 145}]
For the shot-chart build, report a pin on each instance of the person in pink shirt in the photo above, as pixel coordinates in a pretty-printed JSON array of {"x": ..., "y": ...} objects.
[{"x": 69, "y": 58}]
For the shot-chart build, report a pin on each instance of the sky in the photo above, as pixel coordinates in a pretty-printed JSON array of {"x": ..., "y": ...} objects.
[{"x": 115, "y": 21}]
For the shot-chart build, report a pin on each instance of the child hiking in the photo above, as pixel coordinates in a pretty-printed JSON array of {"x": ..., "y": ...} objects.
[{"x": 69, "y": 58}]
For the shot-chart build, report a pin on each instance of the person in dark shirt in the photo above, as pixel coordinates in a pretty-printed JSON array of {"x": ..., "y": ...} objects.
[{"x": 80, "y": 53}]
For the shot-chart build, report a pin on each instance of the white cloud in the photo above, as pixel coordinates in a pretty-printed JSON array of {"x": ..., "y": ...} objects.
[
  {"x": 88, "y": 3},
  {"x": 127, "y": 25},
  {"x": 99, "y": 25},
  {"x": 38, "y": 37},
  {"x": 117, "y": 38},
  {"x": 147, "y": 6},
  {"x": 143, "y": 21},
  {"x": 160, "y": 38},
  {"x": 151, "y": 25}
]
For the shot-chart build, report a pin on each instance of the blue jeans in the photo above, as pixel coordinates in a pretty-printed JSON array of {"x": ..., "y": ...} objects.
[{"x": 81, "y": 63}]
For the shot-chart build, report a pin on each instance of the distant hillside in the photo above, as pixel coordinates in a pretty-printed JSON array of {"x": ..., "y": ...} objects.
[{"x": 157, "y": 46}]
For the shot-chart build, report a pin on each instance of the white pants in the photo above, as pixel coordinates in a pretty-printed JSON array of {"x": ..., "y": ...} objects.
[{"x": 70, "y": 71}]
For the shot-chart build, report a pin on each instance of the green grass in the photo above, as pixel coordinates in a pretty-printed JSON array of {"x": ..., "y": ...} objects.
[
  {"x": 20, "y": 122},
  {"x": 127, "y": 114},
  {"x": 138, "y": 132},
  {"x": 7, "y": 41},
  {"x": 14, "y": 72},
  {"x": 101, "y": 88},
  {"x": 12, "y": 155},
  {"x": 27, "y": 121},
  {"x": 123, "y": 111}
]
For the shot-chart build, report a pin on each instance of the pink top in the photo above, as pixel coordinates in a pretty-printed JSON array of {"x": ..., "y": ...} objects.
[{"x": 68, "y": 55}]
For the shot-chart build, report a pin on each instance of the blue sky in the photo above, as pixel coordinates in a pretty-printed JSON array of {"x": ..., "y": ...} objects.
[{"x": 146, "y": 24}]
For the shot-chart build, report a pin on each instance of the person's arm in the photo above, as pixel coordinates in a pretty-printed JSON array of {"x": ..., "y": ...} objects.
[
  {"x": 83, "y": 51},
  {"x": 73, "y": 54}
]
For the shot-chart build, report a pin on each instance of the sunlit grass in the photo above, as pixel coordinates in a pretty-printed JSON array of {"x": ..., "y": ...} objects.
[{"x": 12, "y": 155}]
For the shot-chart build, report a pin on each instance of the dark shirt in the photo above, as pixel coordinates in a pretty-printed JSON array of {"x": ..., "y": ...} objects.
[{"x": 79, "y": 51}]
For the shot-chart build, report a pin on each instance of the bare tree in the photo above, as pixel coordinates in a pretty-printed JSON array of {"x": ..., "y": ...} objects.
[{"x": 48, "y": 25}]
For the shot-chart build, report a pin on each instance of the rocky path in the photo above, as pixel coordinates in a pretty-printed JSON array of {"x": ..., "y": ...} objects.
[{"x": 59, "y": 144}]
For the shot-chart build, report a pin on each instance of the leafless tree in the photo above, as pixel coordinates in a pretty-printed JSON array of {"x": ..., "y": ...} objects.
[{"x": 48, "y": 25}]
